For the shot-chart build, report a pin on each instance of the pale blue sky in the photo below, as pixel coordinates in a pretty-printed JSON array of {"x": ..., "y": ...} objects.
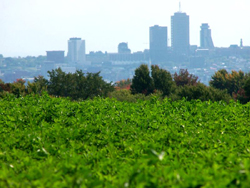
[{"x": 30, "y": 27}]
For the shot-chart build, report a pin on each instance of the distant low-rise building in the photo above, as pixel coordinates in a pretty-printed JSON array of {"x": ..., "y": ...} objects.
[
  {"x": 233, "y": 50},
  {"x": 56, "y": 56},
  {"x": 123, "y": 48}
]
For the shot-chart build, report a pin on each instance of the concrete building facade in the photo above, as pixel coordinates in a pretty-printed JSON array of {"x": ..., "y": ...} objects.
[
  {"x": 206, "y": 41},
  {"x": 76, "y": 51},
  {"x": 158, "y": 43},
  {"x": 123, "y": 48},
  {"x": 55, "y": 56},
  {"x": 180, "y": 33}
]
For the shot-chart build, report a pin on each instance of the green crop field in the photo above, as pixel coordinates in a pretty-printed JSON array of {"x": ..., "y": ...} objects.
[{"x": 54, "y": 142}]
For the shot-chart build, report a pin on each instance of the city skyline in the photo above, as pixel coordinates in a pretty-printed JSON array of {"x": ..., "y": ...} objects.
[{"x": 33, "y": 27}]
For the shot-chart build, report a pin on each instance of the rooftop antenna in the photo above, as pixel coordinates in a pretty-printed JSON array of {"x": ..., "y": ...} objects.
[{"x": 179, "y": 6}]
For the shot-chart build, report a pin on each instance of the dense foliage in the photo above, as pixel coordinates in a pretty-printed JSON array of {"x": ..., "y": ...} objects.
[
  {"x": 142, "y": 81},
  {"x": 185, "y": 78},
  {"x": 126, "y": 95},
  {"x": 236, "y": 84},
  {"x": 162, "y": 80},
  {"x": 159, "y": 82},
  {"x": 123, "y": 84},
  {"x": 146, "y": 83},
  {"x": 54, "y": 142},
  {"x": 181, "y": 85},
  {"x": 77, "y": 86},
  {"x": 201, "y": 92}
]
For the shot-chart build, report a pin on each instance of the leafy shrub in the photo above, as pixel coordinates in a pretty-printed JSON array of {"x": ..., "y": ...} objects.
[
  {"x": 201, "y": 92},
  {"x": 126, "y": 96}
]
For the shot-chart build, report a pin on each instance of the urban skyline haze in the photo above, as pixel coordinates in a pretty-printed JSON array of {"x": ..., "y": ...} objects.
[{"x": 32, "y": 27}]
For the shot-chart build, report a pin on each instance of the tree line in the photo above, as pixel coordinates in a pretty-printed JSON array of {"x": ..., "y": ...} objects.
[
  {"x": 222, "y": 86},
  {"x": 77, "y": 86},
  {"x": 145, "y": 83}
]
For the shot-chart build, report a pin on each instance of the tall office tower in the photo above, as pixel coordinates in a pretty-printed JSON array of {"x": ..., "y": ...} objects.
[
  {"x": 158, "y": 43},
  {"x": 55, "y": 56},
  {"x": 76, "y": 51},
  {"x": 180, "y": 33},
  {"x": 206, "y": 41}
]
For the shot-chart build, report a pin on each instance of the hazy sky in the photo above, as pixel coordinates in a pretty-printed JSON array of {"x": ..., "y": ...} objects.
[{"x": 31, "y": 27}]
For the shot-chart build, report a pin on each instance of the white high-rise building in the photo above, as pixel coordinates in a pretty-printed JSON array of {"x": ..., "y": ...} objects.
[{"x": 76, "y": 51}]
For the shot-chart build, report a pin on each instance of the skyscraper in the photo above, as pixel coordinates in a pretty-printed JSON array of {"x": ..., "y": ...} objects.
[
  {"x": 158, "y": 43},
  {"x": 180, "y": 33},
  {"x": 76, "y": 51},
  {"x": 206, "y": 41}
]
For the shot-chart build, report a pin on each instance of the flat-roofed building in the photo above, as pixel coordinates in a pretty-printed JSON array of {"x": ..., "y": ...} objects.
[
  {"x": 76, "y": 51},
  {"x": 56, "y": 56},
  {"x": 180, "y": 33},
  {"x": 158, "y": 47}
]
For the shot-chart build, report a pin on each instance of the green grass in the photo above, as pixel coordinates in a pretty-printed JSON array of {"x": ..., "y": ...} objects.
[{"x": 54, "y": 142}]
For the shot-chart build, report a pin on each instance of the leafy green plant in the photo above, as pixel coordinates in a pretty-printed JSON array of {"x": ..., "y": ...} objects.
[{"x": 55, "y": 142}]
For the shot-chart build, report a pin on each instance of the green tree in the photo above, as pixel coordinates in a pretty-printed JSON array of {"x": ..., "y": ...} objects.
[
  {"x": 93, "y": 85},
  {"x": 77, "y": 85},
  {"x": 59, "y": 84},
  {"x": 232, "y": 82},
  {"x": 243, "y": 95},
  {"x": 162, "y": 80},
  {"x": 246, "y": 87},
  {"x": 219, "y": 79},
  {"x": 142, "y": 82},
  {"x": 39, "y": 85}
]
